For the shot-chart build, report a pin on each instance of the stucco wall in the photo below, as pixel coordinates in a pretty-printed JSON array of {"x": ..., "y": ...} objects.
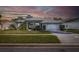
[{"x": 71, "y": 25}]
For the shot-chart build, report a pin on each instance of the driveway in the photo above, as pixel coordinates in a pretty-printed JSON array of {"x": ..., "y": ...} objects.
[{"x": 67, "y": 37}]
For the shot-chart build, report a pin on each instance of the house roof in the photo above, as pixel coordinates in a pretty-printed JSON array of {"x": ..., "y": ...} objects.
[
  {"x": 73, "y": 20},
  {"x": 38, "y": 19},
  {"x": 52, "y": 22},
  {"x": 35, "y": 18}
]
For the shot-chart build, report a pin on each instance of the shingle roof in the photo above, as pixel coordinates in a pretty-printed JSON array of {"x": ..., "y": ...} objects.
[{"x": 73, "y": 20}]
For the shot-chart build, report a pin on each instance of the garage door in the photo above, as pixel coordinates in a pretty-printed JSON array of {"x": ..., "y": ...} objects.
[{"x": 52, "y": 27}]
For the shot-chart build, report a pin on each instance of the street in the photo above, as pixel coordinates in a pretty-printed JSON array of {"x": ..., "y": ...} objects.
[
  {"x": 39, "y": 48},
  {"x": 53, "y": 49}
]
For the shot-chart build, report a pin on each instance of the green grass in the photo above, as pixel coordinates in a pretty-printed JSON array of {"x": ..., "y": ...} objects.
[
  {"x": 73, "y": 30},
  {"x": 23, "y": 32},
  {"x": 28, "y": 39}
]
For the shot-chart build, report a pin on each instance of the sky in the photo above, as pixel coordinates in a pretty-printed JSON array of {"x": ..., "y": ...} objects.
[{"x": 44, "y": 11}]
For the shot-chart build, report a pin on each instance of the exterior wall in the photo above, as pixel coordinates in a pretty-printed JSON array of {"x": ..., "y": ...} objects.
[{"x": 72, "y": 25}]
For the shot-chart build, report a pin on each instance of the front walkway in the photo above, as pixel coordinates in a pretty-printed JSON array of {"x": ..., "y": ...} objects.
[{"x": 66, "y": 37}]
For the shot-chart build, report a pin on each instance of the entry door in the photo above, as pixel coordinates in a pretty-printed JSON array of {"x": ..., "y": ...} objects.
[{"x": 52, "y": 27}]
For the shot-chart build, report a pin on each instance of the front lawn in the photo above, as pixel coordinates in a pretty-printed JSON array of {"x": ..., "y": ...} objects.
[
  {"x": 22, "y": 32},
  {"x": 28, "y": 39},
  {"x": 16, "y": 38}
]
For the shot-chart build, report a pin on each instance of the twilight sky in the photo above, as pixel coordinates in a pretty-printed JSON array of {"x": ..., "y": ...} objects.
[{"x": 44, "y": 11}]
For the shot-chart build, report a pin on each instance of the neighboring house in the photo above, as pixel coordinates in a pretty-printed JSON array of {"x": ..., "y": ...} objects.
[
  {"x": 4, "y": 24},
  {"x": 71, "y": 24}
]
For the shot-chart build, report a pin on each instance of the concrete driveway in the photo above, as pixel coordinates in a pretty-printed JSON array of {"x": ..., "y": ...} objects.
[{"x": 67, "y": 37}]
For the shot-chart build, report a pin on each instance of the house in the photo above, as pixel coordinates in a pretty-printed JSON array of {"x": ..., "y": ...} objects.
[
  {"x": 71, "y": 24},
  {"x": 37, "y": 23}
]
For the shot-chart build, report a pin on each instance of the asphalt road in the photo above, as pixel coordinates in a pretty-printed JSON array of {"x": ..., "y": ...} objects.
[
  {"x": 39, "y": 48},
  {"x": 53, "y": 49}
]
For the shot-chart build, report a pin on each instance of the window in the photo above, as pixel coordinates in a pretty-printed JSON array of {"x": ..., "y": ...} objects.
[{"x": 37, "y": 24}]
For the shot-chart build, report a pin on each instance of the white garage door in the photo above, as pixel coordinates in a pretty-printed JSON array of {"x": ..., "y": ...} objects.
[{"x": 52, "y": 27}]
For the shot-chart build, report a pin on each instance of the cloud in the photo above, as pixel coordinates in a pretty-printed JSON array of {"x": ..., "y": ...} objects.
[{"x": 44, "y": 10}]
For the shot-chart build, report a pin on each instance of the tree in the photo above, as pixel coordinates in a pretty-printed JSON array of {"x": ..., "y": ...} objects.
[
  {"x": 0, "y": 16},
  {"x": 1, "y": 21},
  {"x": 29, "y": 16},
  {"x": 57, "y": 18},
  {"x": 21, "y": 18}
]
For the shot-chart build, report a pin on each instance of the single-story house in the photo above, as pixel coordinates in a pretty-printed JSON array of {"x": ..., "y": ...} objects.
[
  {"x": 36, "y": 23},
  {"x": 46, "y": 24}
]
